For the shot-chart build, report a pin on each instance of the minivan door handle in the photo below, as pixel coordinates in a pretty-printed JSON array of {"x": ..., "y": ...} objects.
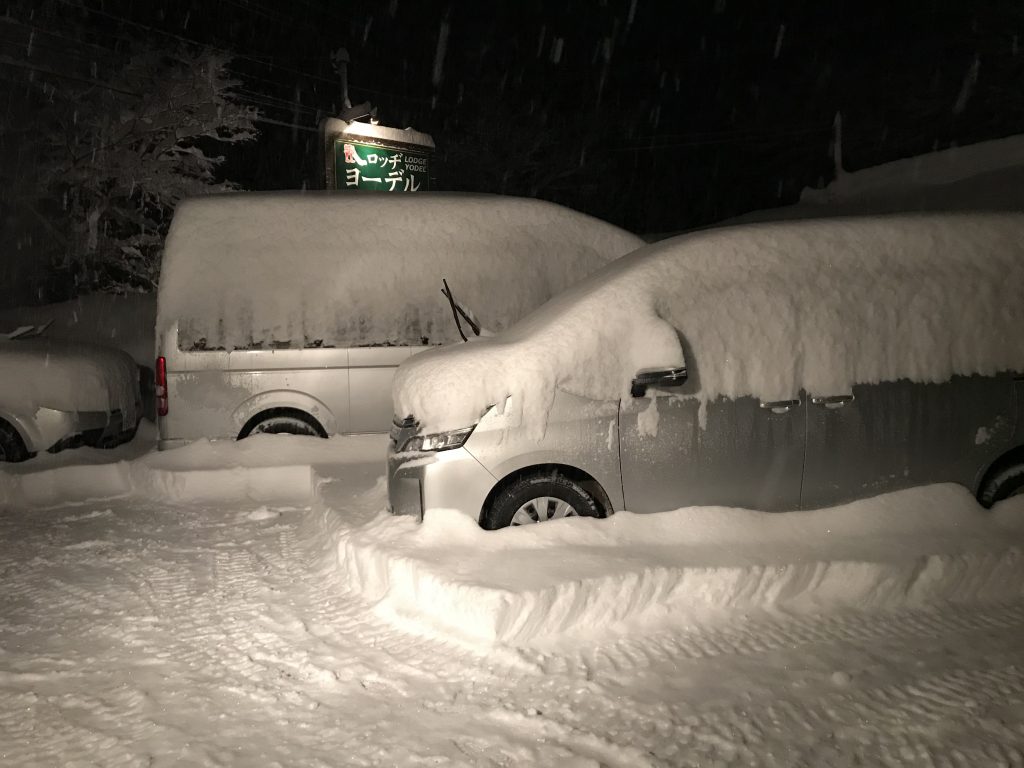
[
  {"x": 833, "y": 401},
  {"x": 780, "y": 406}
]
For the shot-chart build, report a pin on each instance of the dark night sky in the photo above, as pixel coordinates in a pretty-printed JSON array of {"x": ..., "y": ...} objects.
[{"x": 655, "y": 115}]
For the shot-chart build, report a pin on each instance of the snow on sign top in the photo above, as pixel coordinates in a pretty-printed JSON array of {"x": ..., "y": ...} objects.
[
  {"x": 766, "y": 309},
  {"x": 351, "y": 269}
]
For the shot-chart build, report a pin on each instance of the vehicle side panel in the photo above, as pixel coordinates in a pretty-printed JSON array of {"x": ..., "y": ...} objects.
[
  {"x": 581, "y": 433},
  {"x": 370, "y": 372},
  {"x": 212, "y": 393},
  {"x": 737, "y": 454},
  {"x": 901, "y": 434}
]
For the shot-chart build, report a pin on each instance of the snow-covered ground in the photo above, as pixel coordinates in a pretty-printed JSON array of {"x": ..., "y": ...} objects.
[{"x": 252, "y": 604}]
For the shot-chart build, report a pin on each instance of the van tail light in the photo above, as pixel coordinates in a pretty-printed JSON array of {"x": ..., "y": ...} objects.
[{"x": 161, "y": 386}]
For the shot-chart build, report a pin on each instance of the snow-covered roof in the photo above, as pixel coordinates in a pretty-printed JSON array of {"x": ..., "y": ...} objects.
[
  {"x": 355, "y": 268},
  {"x": 767, "y": 310},
  {"x": 935, "y": 169},
  {"x": 987, "y": 176}
]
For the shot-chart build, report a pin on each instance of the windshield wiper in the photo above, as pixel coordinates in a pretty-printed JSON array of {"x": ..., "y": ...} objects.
[{"x": 457, "y": 310}]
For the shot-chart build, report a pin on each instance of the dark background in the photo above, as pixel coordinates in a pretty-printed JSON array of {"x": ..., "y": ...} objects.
[{"x": 658, "y": 116}]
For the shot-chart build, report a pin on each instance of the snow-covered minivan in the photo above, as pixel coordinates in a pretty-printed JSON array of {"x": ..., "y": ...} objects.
[
  {"x": 289, "y": 312},
  {"x": 774, "y": 366}
]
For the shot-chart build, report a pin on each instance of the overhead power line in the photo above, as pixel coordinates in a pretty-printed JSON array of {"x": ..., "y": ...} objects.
[{"x": 9, "y": 62}]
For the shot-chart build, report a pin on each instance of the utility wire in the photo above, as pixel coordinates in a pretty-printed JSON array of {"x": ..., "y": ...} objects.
[
  {"x": 264, "y": 60},
  {"x": 9, "y": 62}
]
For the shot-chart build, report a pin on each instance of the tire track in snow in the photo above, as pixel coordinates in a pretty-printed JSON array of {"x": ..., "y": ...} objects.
[
  {"x": 259, "y": 625},
  {"x": 933, "y": 721},
  {"x": 752, "y": 636}
]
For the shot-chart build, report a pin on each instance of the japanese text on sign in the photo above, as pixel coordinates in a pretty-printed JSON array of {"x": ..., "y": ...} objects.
[{"x": 365, "y": 166}]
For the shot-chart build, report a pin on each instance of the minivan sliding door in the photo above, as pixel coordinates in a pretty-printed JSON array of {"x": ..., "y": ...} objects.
[
  {"x": 883, "y": 437},
  {"x": 747, "y": 454}
]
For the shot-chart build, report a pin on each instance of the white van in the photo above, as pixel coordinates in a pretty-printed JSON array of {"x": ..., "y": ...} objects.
[{"x": 289, "y": 312}]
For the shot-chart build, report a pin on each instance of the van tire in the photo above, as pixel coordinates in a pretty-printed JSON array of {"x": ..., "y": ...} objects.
[
  {"x": 1003, "y": 481},
  {"x": 12, "y": 447},
  {"x": 282, "y": 421},
  {"x": 531, "y": 498}
]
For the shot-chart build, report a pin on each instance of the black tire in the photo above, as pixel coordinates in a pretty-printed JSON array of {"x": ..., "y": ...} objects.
[
  {"x": 282, "y": 422},
  {"x": 535, "y": 498},
  {"x": 1002, "y": 483},
  {"x": 12, "y": 447}
]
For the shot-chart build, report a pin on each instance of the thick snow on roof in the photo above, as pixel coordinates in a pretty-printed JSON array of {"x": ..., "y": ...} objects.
[
  {"x": 935, "y": 169},
  {"x": 766, "y": 310},
  {"x": 987, "y": 176},
  {"x": 351, "y": 268},
  {"x": 65, "y": 376}
]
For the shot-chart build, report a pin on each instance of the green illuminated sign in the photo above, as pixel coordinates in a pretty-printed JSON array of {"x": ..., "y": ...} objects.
[{"x": 359, "y": 165}]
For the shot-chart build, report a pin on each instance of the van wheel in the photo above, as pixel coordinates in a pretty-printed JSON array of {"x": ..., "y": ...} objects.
[
  {"x": 282, "y": 421},
  {"x": 537, "y": 498},
  {"x": 12, "y": 447},
  {"x": 1002, "y": 482}
]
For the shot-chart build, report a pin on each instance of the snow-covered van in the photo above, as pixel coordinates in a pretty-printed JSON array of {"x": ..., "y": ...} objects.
[
  {"x": 289, "y": 312},
  {"x": 775, "y": 366}
]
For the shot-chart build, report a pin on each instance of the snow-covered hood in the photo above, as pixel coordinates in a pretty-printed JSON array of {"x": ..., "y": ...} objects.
[
  {"x": 66, "y": 376},
  {"x": 768, "y": 310}
]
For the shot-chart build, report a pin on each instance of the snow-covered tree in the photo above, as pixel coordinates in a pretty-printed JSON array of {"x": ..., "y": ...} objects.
[{"x": 114, "y": 159}]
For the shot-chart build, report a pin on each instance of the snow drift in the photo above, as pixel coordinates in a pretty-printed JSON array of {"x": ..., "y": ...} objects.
[
  {"x": 350, "y": 269},
  {"x": 264, "y": 468},
  {"x": 585, "y": 579},
  {"x": 767, "y": 310}
]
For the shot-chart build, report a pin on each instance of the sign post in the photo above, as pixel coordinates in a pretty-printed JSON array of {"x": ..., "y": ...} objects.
[{"x": 375, "y": 157}]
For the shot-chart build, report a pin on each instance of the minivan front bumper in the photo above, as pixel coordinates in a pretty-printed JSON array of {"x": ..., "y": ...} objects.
[{"x": 452, "y": 479}]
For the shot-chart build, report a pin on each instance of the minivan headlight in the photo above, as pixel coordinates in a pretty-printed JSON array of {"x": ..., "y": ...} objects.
[{"x": 439, "y": 441}]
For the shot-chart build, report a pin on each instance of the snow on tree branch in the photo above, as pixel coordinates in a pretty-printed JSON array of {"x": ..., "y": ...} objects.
[{"x": 114, "y": 161}]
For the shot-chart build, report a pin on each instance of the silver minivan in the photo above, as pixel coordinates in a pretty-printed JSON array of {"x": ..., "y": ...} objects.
[
  {"x": 771, "y": 367},
  {"x": 289, "y": 312}
]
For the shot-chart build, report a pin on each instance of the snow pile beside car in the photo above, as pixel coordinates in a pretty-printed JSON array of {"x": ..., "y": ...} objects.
[
  {"x": 66, "y": 376},
  {"x": 585, "y": 579},
  {"x": 266, "y": 468},
  {"x": 767, "y": 310},
  {"x": 353, "y": 269}
]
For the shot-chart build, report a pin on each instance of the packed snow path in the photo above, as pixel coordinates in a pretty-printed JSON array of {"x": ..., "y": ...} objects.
[{"x": 137, "y": 632}]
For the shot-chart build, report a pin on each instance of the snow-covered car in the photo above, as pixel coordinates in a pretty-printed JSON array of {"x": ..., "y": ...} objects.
[
  {"x": 289, "y": 312},
  {"x": 56, "y": 394},
  {"x": 773, "y": 367}
]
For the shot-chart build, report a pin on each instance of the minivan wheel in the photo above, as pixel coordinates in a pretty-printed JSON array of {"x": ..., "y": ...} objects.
[
  {"x": 537, "y": 498},
  {"x": 282, "y": 423},
  {"x": 1007, "y": 481},
  {"x": 12, "y": 447}
]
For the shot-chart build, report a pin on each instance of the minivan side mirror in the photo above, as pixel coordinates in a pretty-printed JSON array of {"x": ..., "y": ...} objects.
[{"x": 656, "y": 377}]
